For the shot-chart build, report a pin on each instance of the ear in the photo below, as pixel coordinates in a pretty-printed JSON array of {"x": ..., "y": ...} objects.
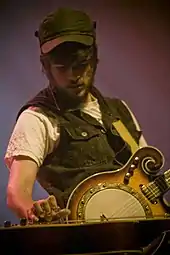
[
  {"x": 42, "y": 60},
  {"x": 45, "y": 66},
  {"x": 42, "y": 64},
  {"x": 45, "y": 62}
]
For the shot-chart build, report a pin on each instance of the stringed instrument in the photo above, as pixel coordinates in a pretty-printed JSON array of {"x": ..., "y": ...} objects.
[{"x": 134, "y": 191}]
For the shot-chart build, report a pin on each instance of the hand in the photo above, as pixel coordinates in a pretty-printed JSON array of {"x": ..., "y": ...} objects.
[{"x": 47, "y": 210}]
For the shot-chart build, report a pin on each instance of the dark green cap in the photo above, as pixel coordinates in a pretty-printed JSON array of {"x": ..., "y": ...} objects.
[{"x": 65, "y": 25}]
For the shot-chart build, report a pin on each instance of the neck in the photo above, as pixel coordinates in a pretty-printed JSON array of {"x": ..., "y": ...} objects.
[{"x": 89, "y": 98}]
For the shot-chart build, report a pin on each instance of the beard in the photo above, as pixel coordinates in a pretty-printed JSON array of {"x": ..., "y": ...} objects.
[{"x": 76, "y": 93}]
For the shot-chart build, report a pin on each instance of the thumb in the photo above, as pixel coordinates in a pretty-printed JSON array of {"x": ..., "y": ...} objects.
[{"x": 62, "y": 214}]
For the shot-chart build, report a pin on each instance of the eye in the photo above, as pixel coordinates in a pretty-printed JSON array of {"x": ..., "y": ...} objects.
[
  {"x": 60, "y": 67},
  {"x": 80, "y": 65}
]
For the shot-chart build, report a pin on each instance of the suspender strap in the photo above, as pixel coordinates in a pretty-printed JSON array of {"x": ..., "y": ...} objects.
[{"x": 125, "y": 135}]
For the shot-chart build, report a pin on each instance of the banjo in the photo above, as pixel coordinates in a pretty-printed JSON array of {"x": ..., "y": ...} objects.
[{"x": 134, "y": 191}]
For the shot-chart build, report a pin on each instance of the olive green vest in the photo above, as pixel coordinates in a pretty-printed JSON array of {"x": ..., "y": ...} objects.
[{"x": 85, "y": 147}]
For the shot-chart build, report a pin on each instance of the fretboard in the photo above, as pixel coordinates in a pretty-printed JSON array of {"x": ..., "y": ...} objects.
[{"x": 155, "y": 189}]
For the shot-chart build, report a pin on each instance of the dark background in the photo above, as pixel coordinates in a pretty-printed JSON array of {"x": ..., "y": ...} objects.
[{"x": 133, "y": 39}]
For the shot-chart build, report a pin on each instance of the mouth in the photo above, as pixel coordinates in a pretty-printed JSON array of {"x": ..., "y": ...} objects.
[
  {"x": 77, "y": 89},
  {"x": 75, "y": 86}
]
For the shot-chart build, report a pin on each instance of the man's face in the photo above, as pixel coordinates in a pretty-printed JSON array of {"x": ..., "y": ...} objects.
[{"x": 72, "y": 68}]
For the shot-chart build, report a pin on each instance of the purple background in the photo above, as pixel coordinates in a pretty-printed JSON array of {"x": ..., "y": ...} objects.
[{"x": 133, "y": 39}]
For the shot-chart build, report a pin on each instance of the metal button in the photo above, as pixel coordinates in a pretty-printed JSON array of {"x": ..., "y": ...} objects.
[{"x": 84, "y": 134}]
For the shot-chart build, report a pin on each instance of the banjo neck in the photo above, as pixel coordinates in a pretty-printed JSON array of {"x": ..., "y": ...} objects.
[{"x": 155, "y": 189}]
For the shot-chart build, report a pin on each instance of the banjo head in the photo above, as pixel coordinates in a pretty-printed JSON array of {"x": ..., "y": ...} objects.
[{"x": 112, "y": 201}]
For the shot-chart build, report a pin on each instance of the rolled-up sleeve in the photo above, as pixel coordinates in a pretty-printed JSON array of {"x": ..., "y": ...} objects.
[{"x": 34, "y": 135}]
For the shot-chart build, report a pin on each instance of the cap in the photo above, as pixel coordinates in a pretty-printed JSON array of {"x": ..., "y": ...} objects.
[{"x": 65, "y": 25}]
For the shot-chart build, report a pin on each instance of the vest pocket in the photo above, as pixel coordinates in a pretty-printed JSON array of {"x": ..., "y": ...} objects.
[{"x": 82, "y": 133}]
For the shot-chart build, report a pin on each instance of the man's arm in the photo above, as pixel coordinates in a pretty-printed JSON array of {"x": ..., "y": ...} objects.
[
  {"x": 23, "y": 173},
  {"x": 32, "y": 139},
  {"x": 19, "y": 193}
]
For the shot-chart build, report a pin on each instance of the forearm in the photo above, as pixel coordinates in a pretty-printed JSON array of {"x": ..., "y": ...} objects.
[
  {"x": 20, "y": 185},
  {"x": 19, "y": 200}
]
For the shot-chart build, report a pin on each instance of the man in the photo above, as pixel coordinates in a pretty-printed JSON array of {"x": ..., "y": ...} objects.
[{"x": 65, "y": 134}]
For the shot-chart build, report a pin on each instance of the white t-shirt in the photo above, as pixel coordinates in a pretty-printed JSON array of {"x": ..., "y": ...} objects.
[{"x": 35, "y": 135}]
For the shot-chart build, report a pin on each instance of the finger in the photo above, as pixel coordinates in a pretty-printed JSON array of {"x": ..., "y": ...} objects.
[
  {"x": 31, "y": 216},
  {"x": 53, "y": 203},
  {"x": 46, "y": 207},
  {"x": 61, "y": 214},
  {"x": 38, "y": 210},
  {"x": 47, "y": 210}
]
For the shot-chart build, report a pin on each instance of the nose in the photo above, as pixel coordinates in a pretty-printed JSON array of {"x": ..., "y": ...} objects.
[{"x": 72, "y": 75}]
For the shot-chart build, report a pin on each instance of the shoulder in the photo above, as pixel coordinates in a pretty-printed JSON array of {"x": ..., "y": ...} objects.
[
  {"x": 122, "y": 109},
  {"x": 33, "y": 135},
  {"x": 35, "y": 116},
  {"x": 118, "y": 103},
  {"x": 114, "y": 100}
]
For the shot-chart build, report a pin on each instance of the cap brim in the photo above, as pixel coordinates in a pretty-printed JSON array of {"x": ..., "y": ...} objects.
[{"x": 50, "y": 45}]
